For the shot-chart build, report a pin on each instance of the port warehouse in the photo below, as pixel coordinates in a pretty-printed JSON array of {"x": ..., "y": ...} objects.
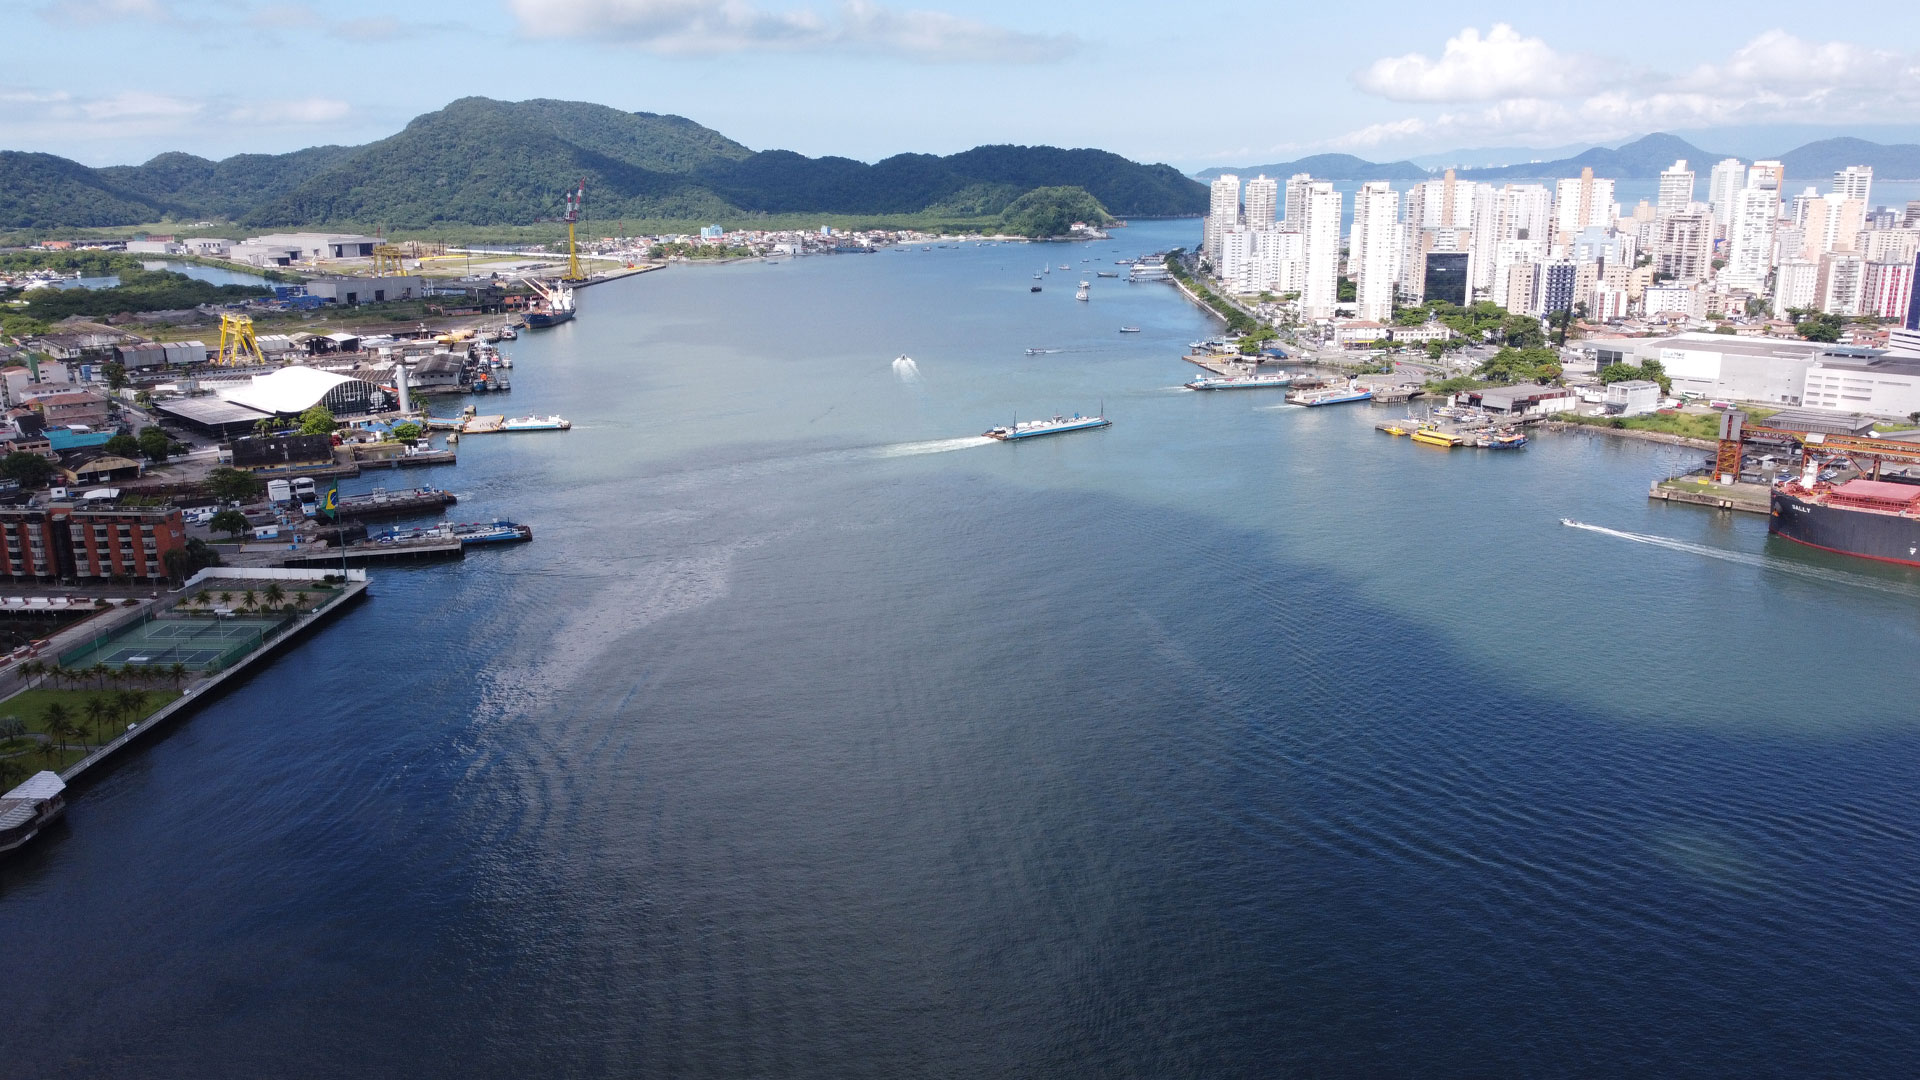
[{"x": 236, "y": 405}]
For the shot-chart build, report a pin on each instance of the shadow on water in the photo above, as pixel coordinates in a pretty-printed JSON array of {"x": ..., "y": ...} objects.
[{"x": 957, "y": 779}]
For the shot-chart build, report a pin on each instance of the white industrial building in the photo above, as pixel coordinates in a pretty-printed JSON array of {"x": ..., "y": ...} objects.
[
  {"x": 310, "y": 246},
  {"x": 1633, "y": 397},
  {"x": 1871, "y": 383},
  {"x": 1722, "y": 367}
]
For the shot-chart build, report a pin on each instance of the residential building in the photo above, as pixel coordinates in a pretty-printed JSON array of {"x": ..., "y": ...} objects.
[
  {"x": 1832, "y": 224},
  {"x": 1770, "y": 175},
  {"x": 1685, "y": 301},
  {"x": 1889, "y": 245},
  {"x": 1262, "y": 195},
  {"x": 1841, "y": 283},
  {"x": 65, "y": 408},
  {"x": 1726, "y": 178},
  {"x": 1519, "y": 288},
  {"x": 1582, "y": 204},
  {"x": 1888, "y": 290},
  {"x": 1676, "y": 187},
  {"x": 1796, "y": 283},
  {"x": 1854, "y": 182},
  {"x": 1756, "y": 210},
  {"x": 1683, "y": 244},
  {"x": 1223, "y": 212},
  {"x": 1444, "y": 202},
  {"x": 1295, "y": 209},
  {"x": 1320, "y": 229},
  {"x": 68, "y": 541},
  {"x": 1373, "y": 253},
  {"x": 1555, "y": 288}
]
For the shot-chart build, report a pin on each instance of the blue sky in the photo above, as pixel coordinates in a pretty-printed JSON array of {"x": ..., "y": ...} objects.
[{"x": 1194, "y": 84}]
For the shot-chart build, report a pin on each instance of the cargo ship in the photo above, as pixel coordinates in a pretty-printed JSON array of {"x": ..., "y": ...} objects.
[
  {"x": 1027, "y": 429},
  {"x": 1242, "y": 382},
  {"x": 1872, "y": 519}
]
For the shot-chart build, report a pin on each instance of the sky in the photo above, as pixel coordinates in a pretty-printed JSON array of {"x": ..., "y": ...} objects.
[{"x": 1195, "y": 84}]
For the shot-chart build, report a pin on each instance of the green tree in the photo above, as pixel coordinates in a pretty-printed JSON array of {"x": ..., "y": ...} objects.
[
  {"x": 123, "y": 445},
  {"x": 275, "y": 594},
  {"x": 129, "y": 705},
  {"x": 231, "y": 522},
  {"x": 406, "y": 432},
  {"x": 31, "y": 470},
  {"x": 116, "y": 377},
  {"x": 1345, "y": 291},
  {"x": 56, "y": 721},
  {"x": 1513, "y": 365},
  {"x": 99, "y": 710},
  {"x": 155, "y": 444},
  {"x": 232, "y": 485},
  {"x": 317, "y": 421}
]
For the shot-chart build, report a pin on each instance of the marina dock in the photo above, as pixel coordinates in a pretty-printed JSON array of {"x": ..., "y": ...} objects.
[{"x": 434, "y": 549}]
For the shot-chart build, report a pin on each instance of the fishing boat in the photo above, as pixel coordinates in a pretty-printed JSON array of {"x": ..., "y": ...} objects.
[
  {"x": 1064, "y": 266},
  {"x": 536, "y": 423},
  {"x": 1129, "y": 329},
  {"x": 1055, "y": 425},
  {"x": 1037, "y": 351},
  {"x": 1506, "y": 440},
  {"x": 1332, "y": 395},
  {"x": 1035, "y": 288},
  {"x": 1105, "y": 273},
  {"x": 1242, "y": 382}
]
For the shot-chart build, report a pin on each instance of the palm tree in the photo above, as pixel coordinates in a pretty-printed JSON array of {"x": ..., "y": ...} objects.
[
  {"x": 99, "y": 672},
  {"x": 99, "y": 709},
  {"x": 226, "y": 599},
  {"x": 55, "y": 721},
  {"x": 202, "y": 598},
  {"x": 51, "y": 748},
  {"x": 178, "y": 673},
  {"x": 31, "y": 670},
  {"x": 248, "y": 599},
  {"x": 130, "y": 705},
  {"x": 275, "y": 594},
  {"x": 301, "y": 598}
]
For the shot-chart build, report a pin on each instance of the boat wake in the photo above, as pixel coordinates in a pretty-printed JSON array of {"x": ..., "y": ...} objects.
[
  {"x": 936, "y": 446},
  {"x": 905, "y": 369},
  {"x": 1745, "y": 558}
]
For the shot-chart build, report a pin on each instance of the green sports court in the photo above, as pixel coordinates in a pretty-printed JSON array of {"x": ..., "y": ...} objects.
[{"x": 206, "y": 644}]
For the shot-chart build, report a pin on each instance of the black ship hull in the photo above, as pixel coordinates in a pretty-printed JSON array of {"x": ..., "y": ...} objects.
[
  {"x": 1886, "y": 537},
  {"x": 539, "y": 319}
]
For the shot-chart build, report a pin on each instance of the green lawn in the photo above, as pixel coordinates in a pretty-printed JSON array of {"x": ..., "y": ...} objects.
[
  {"x": 30, "y": 707},
  {"x": 1691, "y": 425}
]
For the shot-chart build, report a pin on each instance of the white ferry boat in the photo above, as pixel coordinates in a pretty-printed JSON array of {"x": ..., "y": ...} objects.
[
  {"x": 535, "y": 423},
  {"x": 1242, "y": 382},
  {"x": 1027, "y": 429}
]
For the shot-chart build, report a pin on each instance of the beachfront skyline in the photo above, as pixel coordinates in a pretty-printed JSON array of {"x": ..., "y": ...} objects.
[{"x": 1196, "y": 85}]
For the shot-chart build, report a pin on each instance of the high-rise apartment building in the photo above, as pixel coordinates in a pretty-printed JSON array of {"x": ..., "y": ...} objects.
[
  {"x": 1320, "y": 229},
  {"x": 1373, "y": 253},
  {"x": 1295, "y": 208},
  {"x": 1262, "y": 197},
  {"x": 1223, "y": 212},
  {"x": 1889, "y": 245},
  {"x": 1769, "y": 175},
  {"x": 1841, "y": 284},
  {"x": 1676, "y": 187},
  {"x": 1801, "y": 205},
  {"x": 1855, "y": 182},
  {"x": 1832, "y": 224},
  {"x": 1793, "y": 286},
  {"x": 1683, "y": 244},
  {"x": 1582, "y": 204},
  {"x": 1726, "y": 178},
  {"x": 1888, "y": 292},
  {"x": 1756, "y": 211}
]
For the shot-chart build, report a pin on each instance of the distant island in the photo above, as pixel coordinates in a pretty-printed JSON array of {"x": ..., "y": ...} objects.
[{"x": 480, "y": 162}]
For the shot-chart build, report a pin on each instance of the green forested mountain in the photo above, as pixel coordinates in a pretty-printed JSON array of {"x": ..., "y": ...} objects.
[{"x": 485, "y": 162}]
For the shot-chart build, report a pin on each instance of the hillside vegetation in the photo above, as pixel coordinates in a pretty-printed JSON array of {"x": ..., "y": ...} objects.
[{"x": 483, "y": 162}]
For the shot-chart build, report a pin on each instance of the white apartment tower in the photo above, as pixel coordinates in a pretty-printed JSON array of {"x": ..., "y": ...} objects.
[
  {"x": 1320, "y": 226},
  {"x": 1832, "y": 222},
  {"x": 1298, "y": 185},
  {"x": 1582, "y": 204},
  {"x": 1725, "y": 179},
  {"x": 1373, "y": 254},
  {"x": 1223, "y": 212},
  {"x": 1676, "y": 187},
  {"x": 1855, "y": 182},
  {"x": 1262, "y": 199},
  {"x": 1756, "y": 213}
]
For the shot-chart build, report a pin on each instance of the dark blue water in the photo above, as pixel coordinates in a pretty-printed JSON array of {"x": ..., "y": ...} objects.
[{"x": 812, "y": 737}]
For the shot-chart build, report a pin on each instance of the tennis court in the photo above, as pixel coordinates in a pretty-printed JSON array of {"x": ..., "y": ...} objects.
[{"x": 201, "y": 644}]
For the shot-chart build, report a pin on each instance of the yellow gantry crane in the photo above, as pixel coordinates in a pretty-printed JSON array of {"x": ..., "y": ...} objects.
[
  {"x": 573, "y": 217},
  {"x": 237, "y": 343}
]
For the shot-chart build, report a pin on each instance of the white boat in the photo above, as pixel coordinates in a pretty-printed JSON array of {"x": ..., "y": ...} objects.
[
  {"x": 1085, "y": 284},
  {"x": 535, "y": 423},
  {"x": 1129, "y": 329},
  {"x": 1055, "y": 425},
  {"x": 1081, "y": 295},
  {"x": 1242, "y": 382}
]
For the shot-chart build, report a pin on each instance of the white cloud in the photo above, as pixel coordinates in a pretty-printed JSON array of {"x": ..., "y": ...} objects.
[
  {"x": 304, "y": 111},
  {"x": 135, "y": 105},
  {"x": 1774, "y": 78},
  {"x": 98, "y": 11},
  {"x": 1474, "y": 68},
  {"x": 722, "y": 26}
]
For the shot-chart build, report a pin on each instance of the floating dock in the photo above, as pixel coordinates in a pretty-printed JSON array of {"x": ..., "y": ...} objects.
[{"x": 435, "y": 549}]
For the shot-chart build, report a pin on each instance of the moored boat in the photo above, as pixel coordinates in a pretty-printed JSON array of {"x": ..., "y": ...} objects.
[
  {"x": 1129, "y": 329},
  {"x": 536, "y": 423},
  {"x": 1331, "y": 395},
  {"x": 1436, "y": 437}
]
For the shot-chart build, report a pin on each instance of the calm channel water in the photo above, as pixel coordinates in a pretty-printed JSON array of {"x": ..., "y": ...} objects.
[{"x": 813, "y": 737}]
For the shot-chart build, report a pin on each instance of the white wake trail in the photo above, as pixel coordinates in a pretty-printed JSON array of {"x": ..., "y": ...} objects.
[
  {"x": 936, "y": 446},
  {"x": 1745, "y": 558},
  {"x": 905, "y": 369}
]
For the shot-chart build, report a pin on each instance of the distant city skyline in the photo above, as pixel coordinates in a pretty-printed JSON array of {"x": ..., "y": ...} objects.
[{"x": 864, "y": 79}]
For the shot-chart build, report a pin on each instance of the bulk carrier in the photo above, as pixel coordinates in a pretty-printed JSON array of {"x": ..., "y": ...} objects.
[{"x": 1873, "y": 519}]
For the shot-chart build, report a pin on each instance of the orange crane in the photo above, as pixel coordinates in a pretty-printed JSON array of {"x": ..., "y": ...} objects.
[{"x": 1866, "y": 454}]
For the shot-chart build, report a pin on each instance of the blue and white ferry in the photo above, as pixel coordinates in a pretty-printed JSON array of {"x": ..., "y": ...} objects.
[
  {"x": 1242, "y": 382},
  {"x": 1055, "y": 425}
]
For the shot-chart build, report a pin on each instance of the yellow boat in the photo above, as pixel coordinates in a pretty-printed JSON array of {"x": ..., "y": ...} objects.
[
  {"x": 1435, "y": 437},
  {"x": 1394, "y": 430}
]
